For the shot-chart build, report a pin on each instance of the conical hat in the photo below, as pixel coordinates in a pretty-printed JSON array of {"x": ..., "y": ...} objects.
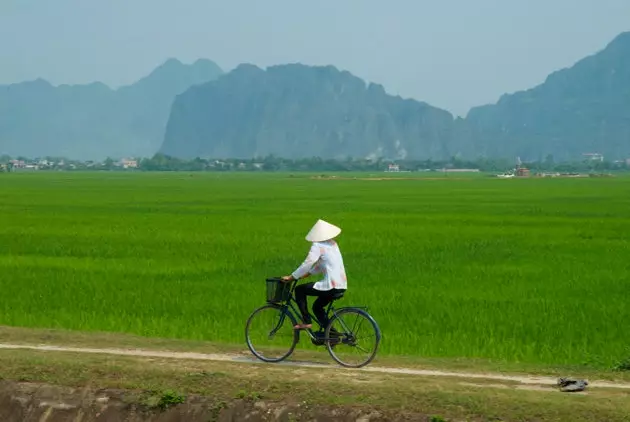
[{"x": 322, "y": 231}]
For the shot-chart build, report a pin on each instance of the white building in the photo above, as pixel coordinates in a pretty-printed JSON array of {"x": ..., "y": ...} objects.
[
  {"x": 593, "y": 156},
  {"x": 128, "y": 163}
]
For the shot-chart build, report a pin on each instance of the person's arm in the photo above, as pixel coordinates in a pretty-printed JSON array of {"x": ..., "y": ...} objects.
[
  {"x": 304, "y": 269},
  {"x": 318, "y": 268}
]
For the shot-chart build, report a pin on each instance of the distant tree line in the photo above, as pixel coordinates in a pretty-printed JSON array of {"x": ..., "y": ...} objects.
[{"x": 161, "y": 162}]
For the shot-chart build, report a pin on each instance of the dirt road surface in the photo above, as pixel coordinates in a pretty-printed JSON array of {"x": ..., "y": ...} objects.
[{"x": 527, "y": 380}]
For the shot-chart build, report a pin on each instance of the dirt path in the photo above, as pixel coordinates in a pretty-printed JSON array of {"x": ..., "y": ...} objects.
[{"x": 527, "y": 380}]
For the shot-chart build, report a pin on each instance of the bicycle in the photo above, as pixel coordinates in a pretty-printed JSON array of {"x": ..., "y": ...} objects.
[{"x": 282, "y": 312}]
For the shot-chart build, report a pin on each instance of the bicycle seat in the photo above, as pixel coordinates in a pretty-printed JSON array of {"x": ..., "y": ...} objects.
[{"x": 338, "y": 295}]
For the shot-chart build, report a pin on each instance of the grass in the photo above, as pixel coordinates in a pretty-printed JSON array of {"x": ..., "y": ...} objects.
[
  {"x": 163, "y": 383},
  {"x": 530, "y": 272}
]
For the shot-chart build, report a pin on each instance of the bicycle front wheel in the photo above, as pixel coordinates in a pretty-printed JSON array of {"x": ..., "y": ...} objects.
[
  {"x": 269, "y": 333},
  {"x": 354, "y": 337}
]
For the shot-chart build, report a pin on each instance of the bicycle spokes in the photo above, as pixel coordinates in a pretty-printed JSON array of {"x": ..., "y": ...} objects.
[
  {"x": 358, "y": 336},
  {"x": 270, "y": 334}
]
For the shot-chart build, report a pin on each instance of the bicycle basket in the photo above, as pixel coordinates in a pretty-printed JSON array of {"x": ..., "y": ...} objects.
[{"x": 277, "y": 291}]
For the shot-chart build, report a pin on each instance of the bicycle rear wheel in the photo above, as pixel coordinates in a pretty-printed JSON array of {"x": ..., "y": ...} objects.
[
  {"x": 269, "y": 333},
  {"x": 358, "y": 337}
]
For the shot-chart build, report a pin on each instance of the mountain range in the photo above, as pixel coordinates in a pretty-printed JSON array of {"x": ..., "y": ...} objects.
[
  {"x": 301, "y": 111},
  {"x": 294, "y": 110},
  {"x": 581, "y": 109},
  {"x": 94, "y": 121}
]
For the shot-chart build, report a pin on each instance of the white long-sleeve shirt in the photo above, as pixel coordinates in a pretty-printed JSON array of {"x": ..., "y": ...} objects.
[{"x": 324, "y": 258}]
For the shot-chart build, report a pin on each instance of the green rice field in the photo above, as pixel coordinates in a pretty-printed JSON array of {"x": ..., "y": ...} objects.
[{"x": 533, "y": 270}]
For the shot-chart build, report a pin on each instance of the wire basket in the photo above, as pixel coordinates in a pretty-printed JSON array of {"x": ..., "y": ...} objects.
[{"x": 277, "y": 291}]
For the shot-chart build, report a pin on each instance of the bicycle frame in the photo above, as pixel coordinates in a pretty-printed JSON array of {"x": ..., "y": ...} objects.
[{"x": 289, "y": 307}]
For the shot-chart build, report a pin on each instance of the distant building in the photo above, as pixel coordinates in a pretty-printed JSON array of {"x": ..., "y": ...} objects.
[
  {"x": 21, "y": 165},
  {"x": 128, "y": 163},
  {"x": 593, "y": 156},
  {"x": 522, "y": 172},
  {"x": 393, "y": 168},
  {"x": 456, "y": 170}
]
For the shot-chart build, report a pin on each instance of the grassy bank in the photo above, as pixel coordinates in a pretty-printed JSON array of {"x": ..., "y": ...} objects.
[{"x": 146, "y": 381}]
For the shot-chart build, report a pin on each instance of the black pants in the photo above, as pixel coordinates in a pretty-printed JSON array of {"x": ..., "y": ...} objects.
[{"x": 323, "y": 299}]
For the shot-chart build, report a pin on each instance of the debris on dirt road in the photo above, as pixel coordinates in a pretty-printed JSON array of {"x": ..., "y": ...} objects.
[{"x": 569, "y": 385}]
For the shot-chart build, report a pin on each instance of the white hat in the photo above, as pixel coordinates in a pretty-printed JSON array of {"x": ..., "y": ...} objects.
[{"x": 322, "y": 231}]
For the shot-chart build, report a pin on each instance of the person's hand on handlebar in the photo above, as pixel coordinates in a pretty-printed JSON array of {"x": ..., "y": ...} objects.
[{"x": 287, "y": 278}]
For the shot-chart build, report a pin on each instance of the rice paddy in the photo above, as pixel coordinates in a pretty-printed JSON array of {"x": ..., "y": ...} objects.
[{"x": 531, "y": 270}]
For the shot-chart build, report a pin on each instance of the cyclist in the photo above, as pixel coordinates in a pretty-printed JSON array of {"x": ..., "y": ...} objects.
[{"x": 324, "y": 257}]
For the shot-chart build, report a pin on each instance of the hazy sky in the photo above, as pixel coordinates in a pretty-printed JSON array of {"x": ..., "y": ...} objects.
[{"x": 452, "y": 54}]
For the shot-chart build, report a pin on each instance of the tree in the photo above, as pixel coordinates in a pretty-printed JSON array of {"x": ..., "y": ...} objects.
[{"x": 108, "y": 163}]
